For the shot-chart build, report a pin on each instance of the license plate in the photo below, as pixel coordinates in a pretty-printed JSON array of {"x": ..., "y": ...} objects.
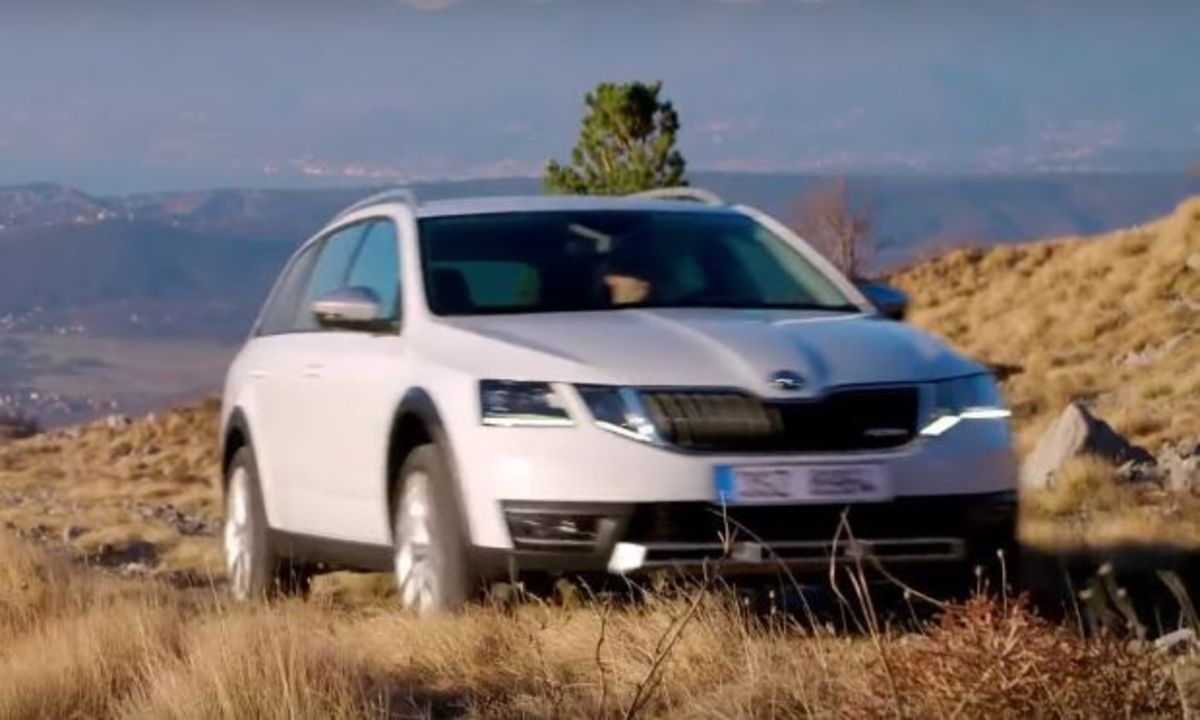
[{"x": 772, "y": 484}]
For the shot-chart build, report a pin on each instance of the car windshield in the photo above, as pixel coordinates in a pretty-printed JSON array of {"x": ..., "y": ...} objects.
[{"x": 566, "y": 261}]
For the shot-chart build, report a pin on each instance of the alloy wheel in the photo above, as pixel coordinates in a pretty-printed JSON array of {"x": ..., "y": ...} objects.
[
  {"x": 239, "y": 535},
  {"x": 416, "y": 572}
]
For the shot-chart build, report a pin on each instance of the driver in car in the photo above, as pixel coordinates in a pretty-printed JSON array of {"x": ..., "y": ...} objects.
[{"x": 627, "y": 281}]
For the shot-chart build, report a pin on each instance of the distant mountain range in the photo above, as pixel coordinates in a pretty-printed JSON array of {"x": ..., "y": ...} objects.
[{"x": 197, "y": 264}]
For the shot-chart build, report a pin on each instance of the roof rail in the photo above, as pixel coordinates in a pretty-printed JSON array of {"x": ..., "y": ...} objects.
[
  {"x": 689, "y": 194},
  {"x": 397, "y": 195}
]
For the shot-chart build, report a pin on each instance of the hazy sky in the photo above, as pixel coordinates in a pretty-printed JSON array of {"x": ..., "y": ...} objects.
[{"x": 153, "y": 94}]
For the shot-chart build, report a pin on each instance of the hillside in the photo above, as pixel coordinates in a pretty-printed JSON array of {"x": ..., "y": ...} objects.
[
  {"x": 1113, "y": 320},
  {"x": 140, "y": 629},
  {"x": 160, "y": 250},
  {"x": 43, "y": 204},
  {"x": 76, "y": 274},
  {"x": 143, "y": 494}
]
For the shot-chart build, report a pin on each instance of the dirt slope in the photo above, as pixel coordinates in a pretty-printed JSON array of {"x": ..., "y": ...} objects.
[
  {"x": 1113, "y": 320},
  {"x": 138, "y": 495}
]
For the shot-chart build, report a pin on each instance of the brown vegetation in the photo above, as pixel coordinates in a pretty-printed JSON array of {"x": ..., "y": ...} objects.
[
  {"x": 76, "y": 643},
  {"x": 1113, "y": 321},
  {"x": 120, "y": 492}
]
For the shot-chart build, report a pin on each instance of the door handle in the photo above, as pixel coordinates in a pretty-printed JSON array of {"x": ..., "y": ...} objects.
[{"x": 313, "y": 371}]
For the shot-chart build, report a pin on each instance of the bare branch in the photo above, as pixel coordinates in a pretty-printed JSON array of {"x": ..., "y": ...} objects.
[{"x": 845, "y": 233}]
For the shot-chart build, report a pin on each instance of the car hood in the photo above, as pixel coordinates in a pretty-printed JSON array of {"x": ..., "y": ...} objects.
[{"x": 714, "y": 348}]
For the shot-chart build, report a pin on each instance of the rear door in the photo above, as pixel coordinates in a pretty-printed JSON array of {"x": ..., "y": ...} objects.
[{"x": 269, "y": 361}]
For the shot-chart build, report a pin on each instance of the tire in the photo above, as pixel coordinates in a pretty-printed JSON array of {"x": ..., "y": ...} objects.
[
  {"x": 255, "y": 571},
  {"x": 431, "y": 560}
]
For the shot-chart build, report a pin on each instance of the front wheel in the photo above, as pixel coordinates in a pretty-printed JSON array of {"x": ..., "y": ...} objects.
[
  {"x": 254, "y": 570},
  {"x": 431, "y": 559}
]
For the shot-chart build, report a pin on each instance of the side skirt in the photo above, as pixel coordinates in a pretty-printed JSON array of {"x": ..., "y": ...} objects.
[{"x": 335, "y": 554}]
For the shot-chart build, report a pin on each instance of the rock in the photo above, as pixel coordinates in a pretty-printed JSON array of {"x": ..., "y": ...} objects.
[
  {"x": 138, "y": 552},
  {"x": 1179, "y": 468},
  {"x": 1183, "y": 639},
  {"x": 38, "y": 533},
  {"x": 135, "y": 569},
  {"x": 116, "y": 422},
  {"x": 72, "y": 532},
  {"x": 1074, "y": 434},
  {"x": 184, "y": 523},
  {"x": 1140, "y": 472}
]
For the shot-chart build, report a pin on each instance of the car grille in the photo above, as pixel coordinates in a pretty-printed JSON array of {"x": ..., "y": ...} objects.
[{"x": 843, "y": 420}]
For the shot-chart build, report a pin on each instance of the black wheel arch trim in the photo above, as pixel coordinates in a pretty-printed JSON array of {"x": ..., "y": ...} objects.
[
  {"x": 418, "y": 403},
  {"x": 236, "y": 423}
]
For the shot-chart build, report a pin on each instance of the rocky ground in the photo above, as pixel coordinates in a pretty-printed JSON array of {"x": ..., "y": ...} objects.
[{"x": 141, "y": 496}]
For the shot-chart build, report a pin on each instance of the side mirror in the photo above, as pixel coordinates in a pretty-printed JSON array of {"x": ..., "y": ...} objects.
[
  {"x": 350, "y": 308},
  {"x": 891, "y": 302}
]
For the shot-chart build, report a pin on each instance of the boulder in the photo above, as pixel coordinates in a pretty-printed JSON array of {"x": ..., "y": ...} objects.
[
  {"x": 1179, "y": 468},
  {"x": 1076, "y": 433}
]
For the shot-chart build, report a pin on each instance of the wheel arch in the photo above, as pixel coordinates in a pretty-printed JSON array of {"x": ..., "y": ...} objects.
[
  {"x": 418, "y": 422},
  {"x": 234, "y": 437}
]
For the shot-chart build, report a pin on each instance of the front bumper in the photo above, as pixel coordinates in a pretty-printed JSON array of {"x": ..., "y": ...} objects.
[
  {"x": 693, "y": 536},
  {"x": 586, "y": 467}
]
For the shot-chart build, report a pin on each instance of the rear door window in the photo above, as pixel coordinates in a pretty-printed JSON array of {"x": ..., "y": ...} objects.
[{"x": 279, "y": 313}]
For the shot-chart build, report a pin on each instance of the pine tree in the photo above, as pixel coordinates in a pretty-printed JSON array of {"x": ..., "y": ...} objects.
[{"x": 626, "y": 144}]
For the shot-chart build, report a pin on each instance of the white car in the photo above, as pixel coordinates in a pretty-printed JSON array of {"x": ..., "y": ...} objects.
[{"x": 472, "y": 390}]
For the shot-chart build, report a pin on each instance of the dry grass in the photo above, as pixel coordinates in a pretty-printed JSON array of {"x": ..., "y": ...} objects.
[
  {"x": 76, "y": 643},
  {"x": 1112, "y": 320},
  {"x": 118, "y": 486},
  {"x": 1090, "y": 505}
]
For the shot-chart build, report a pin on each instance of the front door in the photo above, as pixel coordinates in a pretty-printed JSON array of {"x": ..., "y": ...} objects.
[
  {"x": 353, "y": 389},
  {"x": 294, "y": 396}
]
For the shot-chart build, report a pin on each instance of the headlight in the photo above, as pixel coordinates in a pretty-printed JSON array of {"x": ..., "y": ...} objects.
[
  {"x": 976, "y": 397},
  {"x": 508, "y": 403},
  {"x": 619, "y": 410}
]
